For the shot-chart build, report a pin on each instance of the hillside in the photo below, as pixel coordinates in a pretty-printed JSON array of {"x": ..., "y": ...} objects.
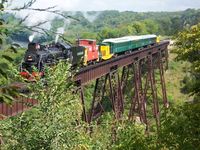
[{"x": 107, "y": 24}]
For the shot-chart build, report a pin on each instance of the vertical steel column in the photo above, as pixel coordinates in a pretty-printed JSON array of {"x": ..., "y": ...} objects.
[
  {"x": 162, "y": 81},
  {"x": 166, "y": 58},
  {"x": 124, "y": 80},
  {"x": 124, "y": 77},
  {"x": 98, "y": 109},
  {"x": 1, "y": 111},
  {"x": 118, "y": 96},
  {"x": 123, "y": 74},
  {"x": 137, "y": 88},
  {"x": 154, "y": 64},
  {"x": 121, "y": 100},
  {"x": 143, "y": 107},
  {"x": 111, "y": 91},
  {"x": 93, "y": 101},
  {"x": 104, "y": 86},
  {"x": 133, "y": 99},
  {"x": 103, "y": 91},
  {"x": 146, "y": 86},
  {"x": 133, "y": 105},
  {"x": 83, "y": 104},
  {"x": 116, "y": 93},
  {"x": 153, "y": 89},
  {"x": 138, "y": 91}
]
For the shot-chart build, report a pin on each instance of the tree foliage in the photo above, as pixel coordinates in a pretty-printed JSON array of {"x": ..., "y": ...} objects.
[
  {"x": 188, "y": 49},
  {"x": 181, "y": 129},
  {"x": 109, "y": 24},
  {"x": 10, "y": 27},
  {"x": 55, "y": 123}
]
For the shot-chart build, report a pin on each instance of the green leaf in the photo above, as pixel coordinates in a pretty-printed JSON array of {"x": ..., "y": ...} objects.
[
  {"x": 3, "y": 74},
  {"x": 14, "y": 47},
  {"x": 1, "y": 98},
  {"x": 12, "y": 91},
  {"x": 4, "y": 66},
  {"x": 8, "y": 99},
  {"x": 7, "y": 58}
]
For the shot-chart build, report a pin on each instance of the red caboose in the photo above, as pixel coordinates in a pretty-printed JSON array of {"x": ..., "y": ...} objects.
[{"x": 91, "y": 51}]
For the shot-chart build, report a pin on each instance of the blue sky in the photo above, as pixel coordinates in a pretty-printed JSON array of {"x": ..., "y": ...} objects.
[{"x": 121, "y": 5}]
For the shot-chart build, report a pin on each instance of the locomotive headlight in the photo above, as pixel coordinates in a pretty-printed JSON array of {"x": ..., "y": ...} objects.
[{"x": 30, "y": 58}]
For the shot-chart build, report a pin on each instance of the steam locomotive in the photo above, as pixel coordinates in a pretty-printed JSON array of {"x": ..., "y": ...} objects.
[
  {"x": 85, "y": 52},
  {"x": 37, "y": 56}
]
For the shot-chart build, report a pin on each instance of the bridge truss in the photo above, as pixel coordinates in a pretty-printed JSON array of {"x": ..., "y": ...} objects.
[
  {"x": 139, "y": 74},
  {"x": 134, "y": 81}
]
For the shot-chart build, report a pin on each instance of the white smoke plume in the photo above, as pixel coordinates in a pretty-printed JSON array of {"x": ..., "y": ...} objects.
[
  {"x": 31, "y": 37},
  {"x": 61, "y": 30},
  {"x": 57, "y": 37},
  {"x": 91, "y": 16}
]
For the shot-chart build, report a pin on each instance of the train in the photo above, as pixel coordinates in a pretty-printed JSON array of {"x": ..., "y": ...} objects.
[{"x": 85, "y": 52}]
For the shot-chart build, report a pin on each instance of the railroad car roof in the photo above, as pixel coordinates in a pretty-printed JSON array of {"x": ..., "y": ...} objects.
[
  {"x": 86, "y": 40},
  {"x": 128, "y": 38}
]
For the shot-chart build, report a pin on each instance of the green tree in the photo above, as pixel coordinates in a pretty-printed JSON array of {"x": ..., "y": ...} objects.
[
  {"x": 108, "y": 33},
  {"x": 188, "y": 49},
  {"x": 140, "y": 27},
  {"x": 180, "y": 128},
  {"x": 151, "y": 26},
  {"x": 7, "y": 92},
  {"x": 55, "y": 123},
  {"x": 10, "y": 25}
]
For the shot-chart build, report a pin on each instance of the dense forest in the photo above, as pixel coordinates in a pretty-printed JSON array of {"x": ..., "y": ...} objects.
[
  {"x": 57, "y": 122},
  {"x": 108, "y": 24}
]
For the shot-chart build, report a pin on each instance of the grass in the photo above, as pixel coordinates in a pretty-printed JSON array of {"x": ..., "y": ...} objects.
[{"x": 173, "y": 78}]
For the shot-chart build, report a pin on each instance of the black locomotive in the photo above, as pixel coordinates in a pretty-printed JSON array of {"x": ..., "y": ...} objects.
[{"x": 39, "y": 56}]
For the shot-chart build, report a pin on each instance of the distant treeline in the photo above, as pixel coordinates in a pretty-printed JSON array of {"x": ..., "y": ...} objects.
[{"x": 108, "y": 24}]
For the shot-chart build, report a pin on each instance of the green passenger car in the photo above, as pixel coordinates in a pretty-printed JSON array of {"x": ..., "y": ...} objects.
[{"x": 123, "y": 44}]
